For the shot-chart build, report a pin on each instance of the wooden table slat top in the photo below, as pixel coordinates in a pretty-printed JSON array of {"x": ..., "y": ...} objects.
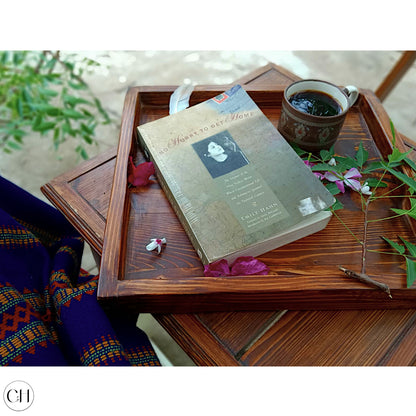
[{"x": 343, "y": 337}]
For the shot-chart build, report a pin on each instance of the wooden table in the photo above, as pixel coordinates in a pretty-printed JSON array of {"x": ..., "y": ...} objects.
[{"x": 266, "y": 338}]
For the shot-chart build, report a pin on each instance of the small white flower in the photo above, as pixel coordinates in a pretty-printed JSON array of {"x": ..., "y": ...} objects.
[
  {"x": 365, "y": 189},
  {"x": 156, "y": 243},
  {"x": 332, "y": 162}
]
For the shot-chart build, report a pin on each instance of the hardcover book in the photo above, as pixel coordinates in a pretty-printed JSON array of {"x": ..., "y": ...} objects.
[{"x": 236, "y": 185}]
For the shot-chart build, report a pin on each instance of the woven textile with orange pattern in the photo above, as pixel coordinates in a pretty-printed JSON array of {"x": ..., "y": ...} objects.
[{"x": 49, "y": 313}]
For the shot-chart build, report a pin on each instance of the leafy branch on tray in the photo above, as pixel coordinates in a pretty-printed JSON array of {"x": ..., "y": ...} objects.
[{"x": 357, "y": 174}]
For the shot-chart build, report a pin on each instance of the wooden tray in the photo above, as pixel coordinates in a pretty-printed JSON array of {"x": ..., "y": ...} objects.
[{"x": 304, "y": 275}]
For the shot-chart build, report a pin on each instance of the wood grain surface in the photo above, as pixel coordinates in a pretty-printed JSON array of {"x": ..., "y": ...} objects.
[
  {"x": 276, "y": 337},
  {"x": 303, "y": 275}
]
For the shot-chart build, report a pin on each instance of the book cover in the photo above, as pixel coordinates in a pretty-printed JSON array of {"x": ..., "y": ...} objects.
[{"x": 237, "y": 186}]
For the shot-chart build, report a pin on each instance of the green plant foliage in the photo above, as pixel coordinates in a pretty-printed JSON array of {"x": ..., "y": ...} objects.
[
  {"x": 410, "y": 182},
  {"x": 410, "y": 263},
  {"x": 327, "y": 161},
  {"x": 398, "y": 247},
  {"x": 43, "y": 92},
  {"x": 411, "y": 271},
  {"x": 361, "y": 155},
  {"x": 411, "y": 212}
]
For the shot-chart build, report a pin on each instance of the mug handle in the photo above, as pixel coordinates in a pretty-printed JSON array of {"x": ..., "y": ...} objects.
[{"x": 352, "y": 94}]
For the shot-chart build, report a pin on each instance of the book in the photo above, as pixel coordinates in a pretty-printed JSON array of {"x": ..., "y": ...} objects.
[{"x": 236, "y": 185}]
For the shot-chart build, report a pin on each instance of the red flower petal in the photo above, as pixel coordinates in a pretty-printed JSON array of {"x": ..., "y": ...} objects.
[
  {"x": 243, "y": 266},
  {"x": 247, "y": 265},
  {"x": 139, "y": 175},
  {"x": 217, "y": 269}
]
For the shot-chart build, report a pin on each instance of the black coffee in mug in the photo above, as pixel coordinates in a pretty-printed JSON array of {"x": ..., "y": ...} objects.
[{"x": 316, "y": 103}]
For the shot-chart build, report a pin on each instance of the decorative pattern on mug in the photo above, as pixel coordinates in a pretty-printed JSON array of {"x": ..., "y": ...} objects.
[
  {"x": 300, "y": 130},
  {"x": 324, "y": 134}
]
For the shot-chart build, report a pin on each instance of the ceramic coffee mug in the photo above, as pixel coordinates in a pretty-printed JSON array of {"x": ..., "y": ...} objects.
[{"x": 326, "y": 107}]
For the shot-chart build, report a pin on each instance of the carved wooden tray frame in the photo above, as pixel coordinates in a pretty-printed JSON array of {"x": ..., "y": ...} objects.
[{"x": 304, "y": 274}]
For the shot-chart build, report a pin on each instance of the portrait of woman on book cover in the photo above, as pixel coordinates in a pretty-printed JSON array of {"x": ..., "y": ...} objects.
[{"x": 220, "y": 154}]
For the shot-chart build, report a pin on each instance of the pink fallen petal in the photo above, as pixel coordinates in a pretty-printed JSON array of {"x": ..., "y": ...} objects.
[
  {"x": 330, "y": 176},
  {"x": 217, "y": 269},
  {"x": 340, "y": 186},
  {"x": 352, "y": 173},
  {"x": 248, "y": 265},
  {"x": 353, "y": 184},
  {"x": 139, "y": 175}
]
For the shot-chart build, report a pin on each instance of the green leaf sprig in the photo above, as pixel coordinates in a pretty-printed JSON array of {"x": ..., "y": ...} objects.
[
  {"x": 43, "y": 92},
  {"x": 324, "y": 163}
]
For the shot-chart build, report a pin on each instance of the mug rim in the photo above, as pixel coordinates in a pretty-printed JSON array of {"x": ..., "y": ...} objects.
[{"x": 342, "y": 113}]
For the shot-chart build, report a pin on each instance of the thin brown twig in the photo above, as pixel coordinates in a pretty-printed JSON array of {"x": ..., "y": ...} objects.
[
  {"x": 56, "y": 56},
  {"x": 362, "y": 277},
  {"x": 364, "y": 246}
]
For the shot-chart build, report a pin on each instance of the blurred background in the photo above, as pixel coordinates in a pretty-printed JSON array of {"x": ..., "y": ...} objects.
[
  {"x": 35, "y": 158},
  {"x": 37, "y": 162}
]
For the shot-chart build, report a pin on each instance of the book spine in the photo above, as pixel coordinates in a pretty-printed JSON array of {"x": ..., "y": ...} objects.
[{"x": 170, "y": 195}]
